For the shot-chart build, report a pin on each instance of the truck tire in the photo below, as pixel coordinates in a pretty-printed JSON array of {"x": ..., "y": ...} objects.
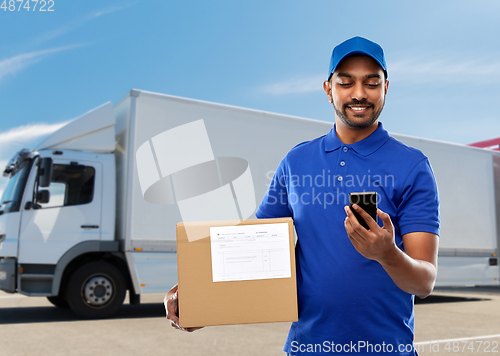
[
  {"x": 96, "y": 290},
  {"x": 59, "y": 301}
]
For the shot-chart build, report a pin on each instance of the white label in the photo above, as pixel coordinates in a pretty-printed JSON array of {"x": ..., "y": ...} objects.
[{"x": 248, "y": 252}]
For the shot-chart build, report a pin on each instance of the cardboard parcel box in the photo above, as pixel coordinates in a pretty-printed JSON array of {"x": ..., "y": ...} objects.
[{"x": 236, "y": 272}]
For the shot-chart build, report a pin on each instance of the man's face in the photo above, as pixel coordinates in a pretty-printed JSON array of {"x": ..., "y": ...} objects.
[{"x": 357, "y": 91}]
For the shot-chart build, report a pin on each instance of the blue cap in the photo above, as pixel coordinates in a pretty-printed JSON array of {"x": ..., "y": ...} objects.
[{"x": 353, "y": 46}]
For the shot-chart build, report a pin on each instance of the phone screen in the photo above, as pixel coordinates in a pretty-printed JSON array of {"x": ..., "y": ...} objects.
[{"x": 368, "y": 202}]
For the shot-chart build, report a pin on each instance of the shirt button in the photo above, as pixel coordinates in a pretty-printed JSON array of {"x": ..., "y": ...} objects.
[
  {"x": 346, "y": 149},
  {"x": 342, "y": 163},
  {"x": 339, "y": 178}
]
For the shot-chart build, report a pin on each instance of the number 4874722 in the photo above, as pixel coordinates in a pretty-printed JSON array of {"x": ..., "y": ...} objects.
[{"x": 27, "y": 5}]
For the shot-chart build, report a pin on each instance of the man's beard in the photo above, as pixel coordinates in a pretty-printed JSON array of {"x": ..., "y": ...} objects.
[{"x": 358, "y": 125}]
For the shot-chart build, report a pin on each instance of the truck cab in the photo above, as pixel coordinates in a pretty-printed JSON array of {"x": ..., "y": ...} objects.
[{"x": 57, "y": 221}]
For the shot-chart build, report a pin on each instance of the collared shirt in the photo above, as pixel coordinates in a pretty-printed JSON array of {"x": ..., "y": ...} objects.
[{"x": 344, "y": 297}]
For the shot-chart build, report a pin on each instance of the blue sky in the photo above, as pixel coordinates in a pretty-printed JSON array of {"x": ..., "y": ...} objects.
[{"x": 442, "y": 57}]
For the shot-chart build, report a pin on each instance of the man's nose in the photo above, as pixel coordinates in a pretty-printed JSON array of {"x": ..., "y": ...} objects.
[{"x": 358, "y": 92}]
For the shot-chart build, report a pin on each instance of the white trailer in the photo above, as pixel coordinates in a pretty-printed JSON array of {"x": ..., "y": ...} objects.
[
  {"x": 468, "y": 181},
  {"x": 91, "y": 211}
]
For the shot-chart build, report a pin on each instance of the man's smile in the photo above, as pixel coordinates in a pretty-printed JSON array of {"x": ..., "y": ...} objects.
[{"x": 359, "y": 109}]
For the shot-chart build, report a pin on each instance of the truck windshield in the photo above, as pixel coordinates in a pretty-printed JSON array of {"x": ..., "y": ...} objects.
[{"x": 13, "y": 193}]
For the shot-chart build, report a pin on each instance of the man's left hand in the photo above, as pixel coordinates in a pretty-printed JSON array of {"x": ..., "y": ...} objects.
[{"x": 375, "y": 244}]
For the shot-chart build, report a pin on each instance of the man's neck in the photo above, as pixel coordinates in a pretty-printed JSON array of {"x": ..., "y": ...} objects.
[{"x": 349, "y": 135}]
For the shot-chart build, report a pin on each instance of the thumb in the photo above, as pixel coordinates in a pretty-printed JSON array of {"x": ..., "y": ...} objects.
[{"x": 386, "y": 219}]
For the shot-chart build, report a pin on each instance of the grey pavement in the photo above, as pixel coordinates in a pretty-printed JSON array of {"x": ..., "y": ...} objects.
[{"x": 32, "y": 326}]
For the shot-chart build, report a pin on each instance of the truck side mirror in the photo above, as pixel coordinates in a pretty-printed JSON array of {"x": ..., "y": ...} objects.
[
  {"x": 45, "y": 172},
  {"x": 43, "y": 196}
]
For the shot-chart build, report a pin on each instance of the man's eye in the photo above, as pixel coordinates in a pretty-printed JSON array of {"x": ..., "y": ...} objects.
[
  {"x": 372, "y": 85},
  {"x": 344, "y": 84}
]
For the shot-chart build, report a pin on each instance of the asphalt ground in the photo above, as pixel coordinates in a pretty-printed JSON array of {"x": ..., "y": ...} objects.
[{"x": 452, "y": 321}]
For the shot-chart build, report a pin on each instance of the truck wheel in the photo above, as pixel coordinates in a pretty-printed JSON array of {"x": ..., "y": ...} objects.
[
  {"x": 59, "y": 301},
  {"x": 96, "y": 290}
]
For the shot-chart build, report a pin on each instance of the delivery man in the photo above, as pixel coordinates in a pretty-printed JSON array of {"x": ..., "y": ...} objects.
[{"x": 355, "y": 285}]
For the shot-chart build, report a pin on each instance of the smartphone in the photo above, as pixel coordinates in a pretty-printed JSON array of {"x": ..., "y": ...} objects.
[{"x": 368, "y": 202}]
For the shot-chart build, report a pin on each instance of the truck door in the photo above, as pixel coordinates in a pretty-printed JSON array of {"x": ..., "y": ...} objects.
[
  {"x": 72, "y": 214},
  {"x": 10, "y": 210}
]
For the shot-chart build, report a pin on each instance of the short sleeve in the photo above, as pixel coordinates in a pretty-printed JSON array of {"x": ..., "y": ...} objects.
[
  {"x": 419, "y": 207},
  {"x": 275, "y": 202}
]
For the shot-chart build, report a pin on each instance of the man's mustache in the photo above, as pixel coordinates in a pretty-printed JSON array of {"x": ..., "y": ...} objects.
[{"x": 357, "y": 102}]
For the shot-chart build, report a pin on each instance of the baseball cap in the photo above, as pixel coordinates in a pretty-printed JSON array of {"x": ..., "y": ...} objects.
[{"x": 353, "y": 46}]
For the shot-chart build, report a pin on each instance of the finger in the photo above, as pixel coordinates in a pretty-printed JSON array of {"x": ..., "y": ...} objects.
[
  {"x": 176, "y": 326},
  {"x": 386, "y": 219},
  {"x": 353, "y": 235},
  {"x": 172, "y": 314},
  {"x": 176, "y": 304},
  {"x": 350, "y": 216},
  {"x": 171, "y": 303},
  {"x": 356, "y": 226},
  {"x": 173, "y": 318},
  {"x": 171, "y": 306},
  {"x": 368, "y": 219},
  {"x": 172, "y": 293}
]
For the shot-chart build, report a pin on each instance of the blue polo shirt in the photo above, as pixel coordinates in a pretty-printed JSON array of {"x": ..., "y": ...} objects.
[{"x": 347, "y": 303}]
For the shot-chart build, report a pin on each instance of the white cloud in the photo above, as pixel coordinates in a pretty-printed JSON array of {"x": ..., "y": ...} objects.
[
  {"x": 443, "y": 69},
  {"x": 111, "y": 10},
  {"x": 17, "y": 63},
  {"x": 26, "y": 135},
  {"x": 295, "y": 85},
  {"x": 16, "y": 139},
  {"x": 436, "y": 68},
  {"x": 76, "y": 24}
]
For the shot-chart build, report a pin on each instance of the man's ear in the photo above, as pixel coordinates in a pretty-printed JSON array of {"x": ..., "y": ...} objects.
[
  {"x": 328, "y": 90},
  {"x": 386, "y": 86}
]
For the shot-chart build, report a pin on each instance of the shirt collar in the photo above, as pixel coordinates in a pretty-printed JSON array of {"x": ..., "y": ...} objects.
[{"x": 364, "y": 147}]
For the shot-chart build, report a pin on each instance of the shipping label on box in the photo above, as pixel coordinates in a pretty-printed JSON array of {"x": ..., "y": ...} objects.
[{"x": 237, "y": 272}]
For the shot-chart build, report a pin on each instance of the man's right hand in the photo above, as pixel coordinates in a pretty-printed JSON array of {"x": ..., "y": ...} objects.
[{"x": 171, "y": 303}]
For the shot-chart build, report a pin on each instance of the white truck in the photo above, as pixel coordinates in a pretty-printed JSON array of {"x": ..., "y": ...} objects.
[{"x": 91, "y": 211}]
